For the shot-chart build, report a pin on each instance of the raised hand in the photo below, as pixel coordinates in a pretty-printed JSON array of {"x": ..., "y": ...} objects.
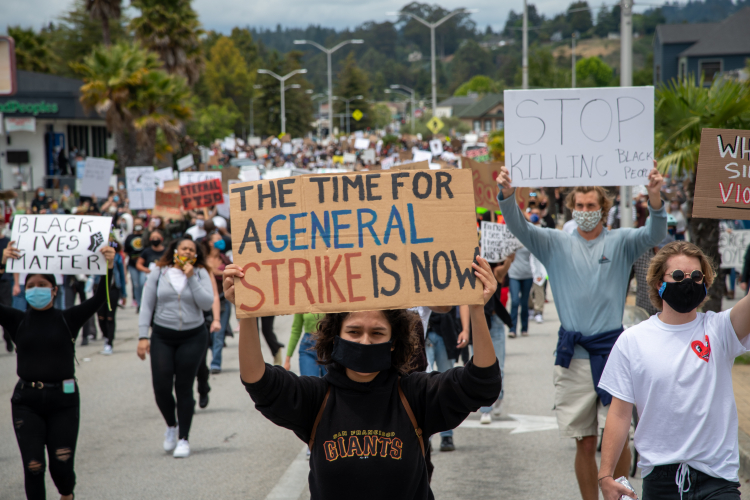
[
  {"x": 483, "y": 271},
  {"x": 504, "y": 182},
  {"x": 109, "y": 254},
  {"x": 230, "y": 272},
  {"x": 10, "y": 252}
]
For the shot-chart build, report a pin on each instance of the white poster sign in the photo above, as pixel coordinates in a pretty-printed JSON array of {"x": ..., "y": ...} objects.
[
  {"x": 350, "y": 158},
  {"x": 387, "y": 163},
  {"x": 253, "y": 141},
  {"x": 579, "y": 137},
  {"x": 436, "y": 147},
  {"x": 732, "y": 247},
  {"x": 368, "y": 155},
  {"x": 163, "y": 175},
  {"x": 141, "y": 185},
  {"x": 185, "y": 162},
  {"x": 96, "y": 177},
  {"x": 497, "y": 242},
  {"x": 261, "y": 152},
  {"x": 420, "y": 155},
  {"x": 191, "y": 177},
  {"x": 59, "y": 244},
  {"x": 286, "y": 148},
  {"x": 361, "y": 143}
]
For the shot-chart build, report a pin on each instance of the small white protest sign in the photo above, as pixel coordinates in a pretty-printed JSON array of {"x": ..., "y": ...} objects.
[
  {"x": 387, "y": 163},
  {"x": 420, "y": 155},
  {"x": 732, "y": 247},
  {"x": 368, "y": 155},
  {"x": 361, "y": 143},
  {"x": 163, "y": 175},
  {"x": 497, "y": 242},
  {"x": 185, "y": 162},
  {"x": 436, "y": 147},
  {"x": 141, "y": 185},
  {"x": 96, "y": 176},
  {"x": 350, "y": 157},
  {"x": 579, "y": 137},
  {"x": 193, "y": 177},
  {"x": 59, "y": 244},
  {"x": 260, "y": 152},
  {"x": 286, "y": 148}
]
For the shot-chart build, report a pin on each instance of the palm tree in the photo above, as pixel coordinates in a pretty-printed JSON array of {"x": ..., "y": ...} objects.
[
  {"x": 683, "y": 109},
  {"x": 125, "y": 85},
  {"x": 104, "y": 10},
  {"x": 171, "y": 29}
]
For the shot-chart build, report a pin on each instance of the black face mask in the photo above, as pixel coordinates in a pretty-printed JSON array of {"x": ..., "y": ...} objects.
[
  {"x": 362, "y": 358},
  {"x": 684, "y": 296},
  {"x": 155, "y": 243}
]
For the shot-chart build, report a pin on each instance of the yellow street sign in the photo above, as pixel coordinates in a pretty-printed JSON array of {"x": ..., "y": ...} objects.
[
  {"x": 282, "y": 135},
  {"x": 435, "y": 124},
  {"x": 357, "y": 115}
]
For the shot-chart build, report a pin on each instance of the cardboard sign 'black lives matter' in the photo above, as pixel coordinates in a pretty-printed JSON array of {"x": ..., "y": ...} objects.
[
  {"x": 350, "y": 242},
  {"x": 722, "y": 182}
]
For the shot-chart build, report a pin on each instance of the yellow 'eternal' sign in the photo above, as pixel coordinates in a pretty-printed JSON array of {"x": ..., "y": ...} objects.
[
  {"x": 435, "y": 124},
  {"x": 357, "y": 115}
]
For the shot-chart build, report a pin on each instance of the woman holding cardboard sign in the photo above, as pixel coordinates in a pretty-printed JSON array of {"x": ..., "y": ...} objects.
[
  {"x": 366, "y": 406},
  {"x": 45, "y": 402}
]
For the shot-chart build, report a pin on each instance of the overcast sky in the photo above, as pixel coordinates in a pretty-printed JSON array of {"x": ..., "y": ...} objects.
[{"x": 223, "y": 15}]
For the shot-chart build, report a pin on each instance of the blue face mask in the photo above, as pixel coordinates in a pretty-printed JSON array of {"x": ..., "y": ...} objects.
[
  {"x": 116, "y": 199},
  {"x": 39, "y": 297},
  {"x": 221, "y": 245},
  {"x": 534, "y": 218},
  {"x": 41, "y": 194}
]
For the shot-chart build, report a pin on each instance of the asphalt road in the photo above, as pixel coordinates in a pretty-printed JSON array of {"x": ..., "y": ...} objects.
[{"x": 237, "y": 454}]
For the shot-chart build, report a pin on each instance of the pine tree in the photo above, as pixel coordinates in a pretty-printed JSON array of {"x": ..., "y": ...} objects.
[{"x": 352, "y": 81}]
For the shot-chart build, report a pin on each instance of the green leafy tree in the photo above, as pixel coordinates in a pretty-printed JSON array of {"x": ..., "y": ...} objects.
[
  {"x": 103, "y": 11},
  {"x": 171, "y": 29},
  {"x": 479, "y": 84},
  {"x": 212, "y": 122},
  {"x": 33, "y": 51},
  {"x": 543, "y": 72},
  {"x": 350, "y": 82},
  {"x": 579, "y": 17},
  {"x": 227, "y": 77},
  {"x": 380, "y": 116},
  {"x": 683, "y": 109},
  {"x": 593, "y": 72},
  {"x": 470, "y": 60},
  {"x": 448, "y": 36},
  {"x": 496, "y": 144},
  {"x": 299, "y": 107},
  {"x": 125, "y": 85},
  {"x": 244, "y": 42}
]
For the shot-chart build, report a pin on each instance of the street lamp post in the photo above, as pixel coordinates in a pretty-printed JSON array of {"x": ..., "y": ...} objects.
[
  {"x": 410, "y": 93},
  {"x": 252, "y": 111},
  {"x": 281, "y": 80},
  {"x": 525, "y": 48},
  {"x": 432, "y": 27},
  {"x": 626, "y": 80},
  {"x": 347, "y": 101},
  {"x": 330, "y": 76}
]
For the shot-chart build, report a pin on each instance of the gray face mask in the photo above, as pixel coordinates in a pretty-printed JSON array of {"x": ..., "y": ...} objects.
[{"x": 587, "y": 221}]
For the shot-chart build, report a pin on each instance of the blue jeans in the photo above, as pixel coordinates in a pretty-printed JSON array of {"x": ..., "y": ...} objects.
[
  {"x": 519, "y": 296},
  {"x": 497, "y": 333},
  {"x": 436, "y": 353},
  {"x": 308, "y": 358},
  {"x": 217, "y": 338},
  {"x": 138, "y": 278},
  {"x": 19, "y": 301}
]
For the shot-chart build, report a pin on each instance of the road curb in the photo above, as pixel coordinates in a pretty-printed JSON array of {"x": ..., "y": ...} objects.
[{"x": 744, "y": 440}]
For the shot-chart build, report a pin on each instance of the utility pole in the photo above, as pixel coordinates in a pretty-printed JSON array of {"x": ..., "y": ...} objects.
[
  {"x": 573, "y": 60},
  {"x": 525, "y": 48},
  {"x": 330, "y": 76},
  {"x": 282, "y": 80},
  {"x": 626, "y": 80},
  {"x": 411, "y": 94},
  {"x": 432, "y": 27},
  {"x": 252, "y": 111}
]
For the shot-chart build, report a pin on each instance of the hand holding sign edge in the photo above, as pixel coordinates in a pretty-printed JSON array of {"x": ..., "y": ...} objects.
[
  {"x": 655, "y": 182},
  {"x": 504, "y": 182}
]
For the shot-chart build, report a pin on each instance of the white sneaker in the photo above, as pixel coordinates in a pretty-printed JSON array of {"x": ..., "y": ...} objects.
[
  {"x": 498, "y": 408},
  {"x": 182, "y": 450},
  {"x": 170, "y": 438},
  {"x": 538, "y": 318},
  {"x": 486, "y": 418},
  {"x": 107, "y": 350}
]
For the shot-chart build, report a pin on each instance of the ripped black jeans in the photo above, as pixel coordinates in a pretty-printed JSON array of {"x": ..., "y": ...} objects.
[{"x": 49, "y": 418}]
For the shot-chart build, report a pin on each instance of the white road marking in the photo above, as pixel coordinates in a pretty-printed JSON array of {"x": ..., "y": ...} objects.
[
  {"x": 294, "y": 479},
  {"x": 519, "y": 424}
]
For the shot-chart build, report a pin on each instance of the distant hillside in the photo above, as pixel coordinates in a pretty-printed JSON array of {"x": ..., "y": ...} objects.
[{"x": 701, "y": 12}]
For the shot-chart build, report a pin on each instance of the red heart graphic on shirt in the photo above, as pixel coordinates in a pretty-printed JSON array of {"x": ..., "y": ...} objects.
[{"x": 702, "y": 350}]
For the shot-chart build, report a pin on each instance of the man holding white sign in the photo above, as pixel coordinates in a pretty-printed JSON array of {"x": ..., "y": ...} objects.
[{"x": 588, "y": 272}]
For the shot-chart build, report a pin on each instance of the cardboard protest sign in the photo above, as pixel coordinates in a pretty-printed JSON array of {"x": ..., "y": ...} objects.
[
  {"x": 167, "y": 205},
  {"x": 59, "y": 244},
  {"x": 485, "y": 187},
  {"x": 162, "y": 175},
  {"x": 732, "y": 247},
  {"x": 227, "y": 174},
  {"x": 497, "y": 242},
  {"x": 355, "y": 241},
  {"x": 579, "y": 137},
  {"x": 405, "y": 155},
  {"x": 141, "y": 185},
  {"x": 201, "y": 194},
  {"x": 96, "y": 176},
  {"x": 185, "y": 162},
  {"x": 193, "y": 177},
  {"x": 722, "y": 187}
]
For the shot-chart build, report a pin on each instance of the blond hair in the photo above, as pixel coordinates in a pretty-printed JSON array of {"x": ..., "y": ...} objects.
[
  {"x": 605, "y": 201},
  {"x": 658, "y": 268}
]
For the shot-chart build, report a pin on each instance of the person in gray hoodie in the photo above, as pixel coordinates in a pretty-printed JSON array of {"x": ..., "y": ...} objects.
[{"x": 172, "y": 306}]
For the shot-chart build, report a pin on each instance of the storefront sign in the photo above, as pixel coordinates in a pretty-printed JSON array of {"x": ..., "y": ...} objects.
[
  {"x": 32, "y": 108},
  {"x": 20, "y": 125}
]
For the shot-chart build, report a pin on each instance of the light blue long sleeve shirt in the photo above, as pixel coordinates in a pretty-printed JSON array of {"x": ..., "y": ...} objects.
[{"x": 588, "y": 278}]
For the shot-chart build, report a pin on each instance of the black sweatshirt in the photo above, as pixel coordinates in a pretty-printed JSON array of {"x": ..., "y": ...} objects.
[
  {"x": 44, "y": 344},
  {"x": 365, "y": 445}
]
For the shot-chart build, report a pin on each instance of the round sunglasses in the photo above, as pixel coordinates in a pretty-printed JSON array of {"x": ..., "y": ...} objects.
[{"x": 679, "y": 275}]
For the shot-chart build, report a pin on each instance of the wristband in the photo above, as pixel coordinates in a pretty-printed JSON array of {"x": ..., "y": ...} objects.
[{"x": 604, "y": 477}]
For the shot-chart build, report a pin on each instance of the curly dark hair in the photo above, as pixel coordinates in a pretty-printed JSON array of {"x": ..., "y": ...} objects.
[
  {"x": 403, "y": 334},
  {"x": 167, "y": 260}
]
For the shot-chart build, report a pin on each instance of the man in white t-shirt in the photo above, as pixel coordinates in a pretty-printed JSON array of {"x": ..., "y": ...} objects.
[
  {"x": 676, "y": 368},
  {"x": 196, "y": 231}
]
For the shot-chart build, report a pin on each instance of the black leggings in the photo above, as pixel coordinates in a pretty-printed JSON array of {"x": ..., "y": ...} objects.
[
  {"x": 46, "y": 418},
  {"x": 266, "y": 325},
  {"x": 107, "y": 317},
  {"x": 175, "y": 357}
]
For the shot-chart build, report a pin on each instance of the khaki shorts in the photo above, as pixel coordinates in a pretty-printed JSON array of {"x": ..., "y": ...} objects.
[{"x": 579, "y": 411}]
